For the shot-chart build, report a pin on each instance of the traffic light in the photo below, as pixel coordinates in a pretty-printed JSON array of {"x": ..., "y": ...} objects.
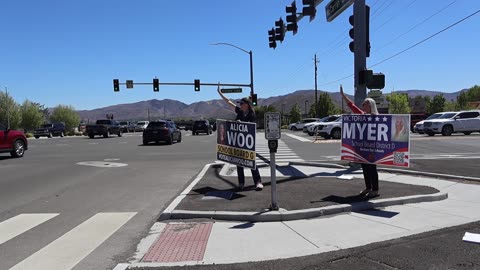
[
  {"x": 376, "y": 81},
  {"x": 367, "y": 32},
  {"x": 309, "y": 9},
  {"x": 197, "y": 85},
  {"x": 271, "y": 38},
  {"x": 254, "y": 99},
  {"x": 351, "y": 20},
  {"x": 292, "y": 18},
  {"x": 280, "y": 30},
  {"x": 116, "y": 85},
  {"x": 156, "y": 85}
]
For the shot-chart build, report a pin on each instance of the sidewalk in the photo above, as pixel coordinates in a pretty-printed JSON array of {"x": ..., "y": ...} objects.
[{"x": 407, "y": 205}]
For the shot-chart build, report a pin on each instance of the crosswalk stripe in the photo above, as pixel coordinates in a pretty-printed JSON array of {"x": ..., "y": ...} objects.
[
  {"x": 20, "y": 224},
  {"x": 298, "y": 138},
  {"x": 68, "y": 250}
]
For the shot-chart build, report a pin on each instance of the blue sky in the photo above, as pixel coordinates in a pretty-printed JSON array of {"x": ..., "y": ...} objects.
[{"x": 67, "y": 52}]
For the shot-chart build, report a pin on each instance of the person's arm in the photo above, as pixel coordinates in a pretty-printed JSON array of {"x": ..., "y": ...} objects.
[
  {"x": 229, "y": 102},
  {"x": 350, "y": 103}
]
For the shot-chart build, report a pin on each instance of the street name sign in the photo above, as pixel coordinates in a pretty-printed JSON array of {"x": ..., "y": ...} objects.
[
  {"x": 335, "y": 8},
  {"x": 231, "y": 90}
]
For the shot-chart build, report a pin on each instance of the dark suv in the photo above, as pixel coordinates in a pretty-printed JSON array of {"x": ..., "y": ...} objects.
[
  {"x": 161, "y": 130},
  {"x": 50, "y": 130},
  {"x": 201, "y": 126}
]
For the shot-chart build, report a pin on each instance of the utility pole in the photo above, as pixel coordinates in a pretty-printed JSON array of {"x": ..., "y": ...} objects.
[
  {"x": 316, "y": 90},
  {"x": 360, "y": 55}
]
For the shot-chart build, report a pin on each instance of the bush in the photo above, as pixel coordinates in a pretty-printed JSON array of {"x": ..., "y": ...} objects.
[
  {"x": 29, "y": 135},
  {"x": 285, "y": 127},
  {"x": 78, "y": 134}
]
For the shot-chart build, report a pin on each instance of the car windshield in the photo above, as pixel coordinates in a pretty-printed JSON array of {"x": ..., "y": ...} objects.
[
  {"x": 447, "y": 115},
  {"x": 46, "y": 125},
  {"x": 123, "y": 123},
  {"x": 434, "y": 116},
  {"x": 332, "y": 119},
  {"x": 141, "y": 123},
  {"x": 156, "y": 125}
]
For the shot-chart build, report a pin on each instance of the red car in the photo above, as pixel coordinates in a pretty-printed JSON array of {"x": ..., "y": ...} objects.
[{"x": 13, "y": 142}]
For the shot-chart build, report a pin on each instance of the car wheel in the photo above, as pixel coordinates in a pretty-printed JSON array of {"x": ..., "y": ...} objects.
[
  {"x": 431, "y": 134},
  {"x": 37, "y": 137},
  {"x": 50, "y": 135},
  {"x": 170, "y": 140},
  {"x": 91, "y": 136},
  {"x": 421, "y": 132},
  {"x": 310, "y": 133},
  {"x": 336, "y": 134},
  {"x": 294, "y": 129},
  {"x": 119, "y": 133},
  {"x": 61, "y": 134},
  {"x": 467, "y": 133},
  {"x": 18, "y": 149},
  {"x": 179, "y": 138},
  {"x": 447, "y": 130},
  {"x": 145, "y": 142},
  {"x": 327, "y": 137},
  {"x": 106, "y": 135}
]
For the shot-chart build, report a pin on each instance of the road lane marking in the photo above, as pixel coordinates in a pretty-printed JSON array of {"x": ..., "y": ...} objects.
[
  {"x": 298, "y": 138},
  {"x": 102, "y": 164},
  {"x": 20, "y": 224},
  {"x": 68, "y": 250}
]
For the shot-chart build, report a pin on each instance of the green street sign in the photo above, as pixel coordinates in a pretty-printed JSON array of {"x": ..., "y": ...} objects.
[
  {"x": 336, "y": 7},
  {"x": 231, "y": 90}
]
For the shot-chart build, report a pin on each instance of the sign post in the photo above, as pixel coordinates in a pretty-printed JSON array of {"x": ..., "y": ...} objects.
[{"x": 273, "y": 134}]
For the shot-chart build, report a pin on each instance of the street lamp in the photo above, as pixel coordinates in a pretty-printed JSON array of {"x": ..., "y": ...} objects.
[{"x": 251, "y": 63}]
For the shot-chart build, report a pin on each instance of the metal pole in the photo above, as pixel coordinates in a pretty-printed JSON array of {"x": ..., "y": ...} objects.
[
  {"x": 273, "y": 181},
  {"x": 316, "y": 90},
  {"x": 360, "y": 55},
  {"x": 251, "y": 74}
]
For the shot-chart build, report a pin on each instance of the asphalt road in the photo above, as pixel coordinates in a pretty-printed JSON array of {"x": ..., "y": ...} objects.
[
  {"x": 49, "y": 180},
  {"x": 132, "y": 186}
]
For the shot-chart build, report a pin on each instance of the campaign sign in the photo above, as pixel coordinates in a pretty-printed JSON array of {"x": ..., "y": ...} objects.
[
  {"x": 236, "y": 143},
  {"x": 382, "y": 139}
]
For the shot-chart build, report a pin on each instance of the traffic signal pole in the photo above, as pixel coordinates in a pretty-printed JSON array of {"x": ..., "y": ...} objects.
[{"x": 360, "y": 54}]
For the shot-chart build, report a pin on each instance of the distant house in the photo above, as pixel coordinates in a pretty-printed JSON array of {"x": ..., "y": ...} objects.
[{"x": 475, "y": 104}]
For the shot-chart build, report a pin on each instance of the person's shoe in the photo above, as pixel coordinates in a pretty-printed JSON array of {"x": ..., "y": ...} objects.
[
  {"x": 259, "y": 186},
  {"x": 241, "y": 187},
  {"x": 364, "y": 192},
  {"x": 372, "y": 194}
]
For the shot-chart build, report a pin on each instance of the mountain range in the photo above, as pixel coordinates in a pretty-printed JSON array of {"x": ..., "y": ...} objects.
[{"x": 170, "y": 109}]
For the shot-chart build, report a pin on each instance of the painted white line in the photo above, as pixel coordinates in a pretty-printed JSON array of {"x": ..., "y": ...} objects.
[
  {"x": 102, "y": 164},
  {"x": 68, "y": 250},
  {"x": 20, "y": 224},
  {"x": 298, "y": 138},
  {"x": 121, "y": 266}
]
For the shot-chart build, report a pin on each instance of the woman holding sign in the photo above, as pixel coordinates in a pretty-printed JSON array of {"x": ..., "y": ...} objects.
[
  {"x": 369, "y": 170},
  {"x": 245, "y": 113}
]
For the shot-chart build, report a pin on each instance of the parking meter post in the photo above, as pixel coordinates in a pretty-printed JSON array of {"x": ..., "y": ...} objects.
[{"x": 272, "y": 145}]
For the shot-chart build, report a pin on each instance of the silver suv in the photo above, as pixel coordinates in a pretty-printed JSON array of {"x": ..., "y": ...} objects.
[
  {"x": 331, "y": 129},
  {"x": 464, "y": 122},
  {"x": 299, "y": 125}
]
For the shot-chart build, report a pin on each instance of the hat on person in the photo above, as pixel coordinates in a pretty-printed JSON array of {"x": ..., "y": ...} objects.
[{"x": 245, "y": 100}]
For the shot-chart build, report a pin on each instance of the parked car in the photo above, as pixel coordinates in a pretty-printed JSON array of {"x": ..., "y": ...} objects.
[
  {"x": 13, "y": 142},
  {"x": 141, "y": 125},
  {"x": 331, "y": 129},
  {"x": 464, "y": 122},
  {"x": 415, "y": 118},
  {"x": 311, "y": 128},
  {"x": 127, "y": 126},
  {"x": 299, "y": 125},
  {"x": 418, "y": 127},
  {"x": 201, "y": 126},
  {"x": 104, "y": 127},
  {"x": 162, "y": 130},
  {"x": 50, "y": 130}
]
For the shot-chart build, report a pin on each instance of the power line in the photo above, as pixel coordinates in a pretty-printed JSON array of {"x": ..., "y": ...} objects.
[
  {"x": 411, "y": 47},
  {"x": 422, "y": 41}
]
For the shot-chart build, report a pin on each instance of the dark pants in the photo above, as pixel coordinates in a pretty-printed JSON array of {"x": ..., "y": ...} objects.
[
  {"x": 371, "y": 176},
  {"x": 241, "y": 176}
]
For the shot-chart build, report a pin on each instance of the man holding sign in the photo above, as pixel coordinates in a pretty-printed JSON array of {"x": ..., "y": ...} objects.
[{"x": 240, "y": 135}]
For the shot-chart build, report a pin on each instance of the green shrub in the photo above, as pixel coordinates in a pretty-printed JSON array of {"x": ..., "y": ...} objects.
[
  {"x": 29, "y": 135},
  {"x": 285, "y": 127}
]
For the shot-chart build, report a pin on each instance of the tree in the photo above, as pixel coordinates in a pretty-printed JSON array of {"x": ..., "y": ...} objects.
[
  {"x": 462, "y": 102},
  {"x": 473, "y": 94},
  {"x": 295, "y": 114},
  {"x": 436, "y": 105},
  {"x": 7, "y": 104},
  {"x": 325, "y": 105},
  {"x": 260, "y": 113},
  {"x": 398, "y": 103},
  {"x": 31, "y": 114},
  {"x": 67, "y": 115}
]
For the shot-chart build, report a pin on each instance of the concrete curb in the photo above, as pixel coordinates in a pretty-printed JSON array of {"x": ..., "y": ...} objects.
[
  {"x": 429, "y": 174},
  {"x": 315, "y": 164},
  {"x": 284, "y": 215}
]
